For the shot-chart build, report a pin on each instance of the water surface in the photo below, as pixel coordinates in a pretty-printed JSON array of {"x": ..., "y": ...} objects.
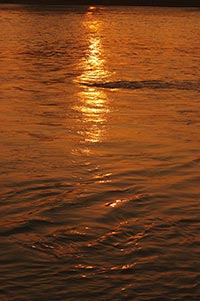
[{"x": 100, "y": 138}]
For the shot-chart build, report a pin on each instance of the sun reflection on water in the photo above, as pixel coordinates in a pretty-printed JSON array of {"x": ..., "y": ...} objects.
[
  {"x": 94, "y": 63},
  {"x": 94, "y": 110},
  {"x": 93, "y": 101}
]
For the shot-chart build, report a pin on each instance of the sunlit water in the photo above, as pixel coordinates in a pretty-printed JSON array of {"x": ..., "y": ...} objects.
[{"x": 100, "y": 139}]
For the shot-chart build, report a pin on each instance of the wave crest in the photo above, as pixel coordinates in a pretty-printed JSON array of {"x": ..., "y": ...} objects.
[{"x": 146, "y": 84}]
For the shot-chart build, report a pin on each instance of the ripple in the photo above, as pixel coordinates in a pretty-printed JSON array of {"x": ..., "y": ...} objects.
[{"x": 146, "y": 84}]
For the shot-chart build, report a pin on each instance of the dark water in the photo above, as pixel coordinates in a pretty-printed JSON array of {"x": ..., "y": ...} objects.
[{"x": 100, "y": 139}]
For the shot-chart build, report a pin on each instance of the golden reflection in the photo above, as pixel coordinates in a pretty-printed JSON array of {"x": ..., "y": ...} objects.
[
  {"x": 93, "y": 102},
  {"x": 93, "y": 64},
  {"x": 91, "y": 9},
  {"x": 93, "y": 107}
]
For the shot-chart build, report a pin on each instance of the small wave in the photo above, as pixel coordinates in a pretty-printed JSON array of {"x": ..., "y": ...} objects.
[
  {"x": 118, "y": 202},
  {"x": 146, "y": 84},
  {"x": 24, "y": 226}
]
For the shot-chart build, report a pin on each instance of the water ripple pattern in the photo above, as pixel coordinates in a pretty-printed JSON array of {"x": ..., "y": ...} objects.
[{"x": 100, "y": 139}]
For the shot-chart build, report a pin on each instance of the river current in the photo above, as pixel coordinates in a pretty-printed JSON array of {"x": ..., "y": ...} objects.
[{"x": 100, "y": 140}]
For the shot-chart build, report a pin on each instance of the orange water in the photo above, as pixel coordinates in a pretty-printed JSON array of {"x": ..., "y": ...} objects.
[{"x": 100, "y": 138}]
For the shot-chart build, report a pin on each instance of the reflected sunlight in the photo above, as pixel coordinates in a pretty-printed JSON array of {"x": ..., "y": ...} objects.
[
  {"x": 92, "y": 100},
  {"x": 93, "y": 106},
  {"x": 93, "y": 64}
]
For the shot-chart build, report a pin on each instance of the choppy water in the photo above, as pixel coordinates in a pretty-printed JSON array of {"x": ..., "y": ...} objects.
[{"x": 100, "y": 139}]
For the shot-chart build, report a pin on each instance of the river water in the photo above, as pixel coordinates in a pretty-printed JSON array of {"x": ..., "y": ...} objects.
[{"x": 100, "y": 139}]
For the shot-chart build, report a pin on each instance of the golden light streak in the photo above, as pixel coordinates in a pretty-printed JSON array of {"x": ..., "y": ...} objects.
[{"x": 93, "y": 102}]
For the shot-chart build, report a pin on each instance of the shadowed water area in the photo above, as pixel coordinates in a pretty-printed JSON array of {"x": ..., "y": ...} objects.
[{"x": 100, "y": 139}]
